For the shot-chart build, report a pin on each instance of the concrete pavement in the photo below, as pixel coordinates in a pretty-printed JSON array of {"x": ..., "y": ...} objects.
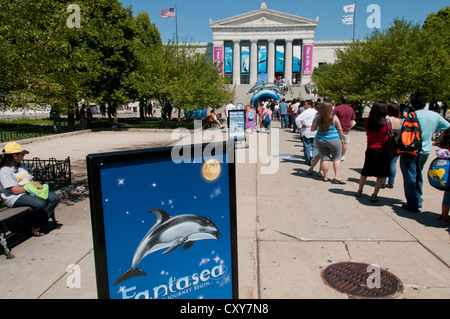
[{"x": 290, "y": 225}]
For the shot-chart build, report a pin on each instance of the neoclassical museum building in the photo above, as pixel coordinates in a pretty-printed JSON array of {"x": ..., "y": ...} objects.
[{"x": 264, "y": 45}]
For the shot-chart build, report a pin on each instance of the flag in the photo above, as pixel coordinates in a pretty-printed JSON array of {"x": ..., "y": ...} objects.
[
  {"x": 349, "y": 8},
  {"x": 168, "y": 13},
  {"x": 347, "y": 19}
]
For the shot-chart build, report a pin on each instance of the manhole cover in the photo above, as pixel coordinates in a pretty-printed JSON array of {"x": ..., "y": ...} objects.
[{"x": 362, "y": 280}]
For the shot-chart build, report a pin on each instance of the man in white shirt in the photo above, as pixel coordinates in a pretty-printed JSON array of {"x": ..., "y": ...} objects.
[
  {"x": 304, "y": 122},
  {"x": 229, "y": 107}
]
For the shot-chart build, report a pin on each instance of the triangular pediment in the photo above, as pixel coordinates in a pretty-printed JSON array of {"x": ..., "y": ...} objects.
[{"x": 263, "y": 18}]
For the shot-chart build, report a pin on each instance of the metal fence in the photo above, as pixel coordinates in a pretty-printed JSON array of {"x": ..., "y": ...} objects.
[
  {"x": 17, "y": 134},
  {"x": 56, "y": 173}
]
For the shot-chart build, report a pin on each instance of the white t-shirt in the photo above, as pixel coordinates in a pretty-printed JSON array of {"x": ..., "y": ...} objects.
[
  {"x": 306, "y": 119},
  {"x": 229, "y": 107},
  {"x": 11, "y": 176}
]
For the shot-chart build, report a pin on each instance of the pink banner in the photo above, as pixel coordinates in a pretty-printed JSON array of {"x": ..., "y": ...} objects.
[
  {"x": 307, "y": 60},
  {"x": 218, "y": 58}
]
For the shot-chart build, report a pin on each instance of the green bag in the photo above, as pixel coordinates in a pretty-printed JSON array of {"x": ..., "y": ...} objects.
[{"x": 40, "y": 193}]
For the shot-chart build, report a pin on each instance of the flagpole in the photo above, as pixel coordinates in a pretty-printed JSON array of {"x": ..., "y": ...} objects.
[
  {"x": 354, "y": 22},
  {"x": 176, "y": 22}
]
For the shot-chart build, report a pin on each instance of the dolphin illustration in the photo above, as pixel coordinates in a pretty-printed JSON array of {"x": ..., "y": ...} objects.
[{"x": 170, "y": 232}]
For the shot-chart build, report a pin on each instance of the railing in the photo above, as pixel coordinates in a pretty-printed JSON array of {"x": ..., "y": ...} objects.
[{"x": 56, "y": 173}]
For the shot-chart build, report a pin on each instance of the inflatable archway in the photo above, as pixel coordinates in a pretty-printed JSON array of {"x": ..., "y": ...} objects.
[{"x": 264, "y": 94}]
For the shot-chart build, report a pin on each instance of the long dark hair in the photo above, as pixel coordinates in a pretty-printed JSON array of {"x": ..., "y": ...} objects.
[
  {"x": 393, "y": 109},
  {"x": 8, "y": 160},
  {"x": 377, "y": 116}
]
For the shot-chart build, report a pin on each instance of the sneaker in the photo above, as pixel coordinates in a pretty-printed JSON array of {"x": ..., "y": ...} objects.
[{"x": 343, "y": 158}]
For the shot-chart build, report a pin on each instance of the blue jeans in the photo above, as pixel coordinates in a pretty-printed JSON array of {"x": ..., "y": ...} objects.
[
  {"x": 391, "y": 179},
  {"x": 39, "y": 206},
  {"x": 284, "y": 120},
  {"x": 308, "y": 145},
  {"x": 411, "y": 167}
]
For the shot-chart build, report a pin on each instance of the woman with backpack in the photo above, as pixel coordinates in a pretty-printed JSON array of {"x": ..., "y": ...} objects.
[
  {"x": 250, "y": 116},
  {"x": 267, "y": 118},
  {"x": 377, "y": 162}
]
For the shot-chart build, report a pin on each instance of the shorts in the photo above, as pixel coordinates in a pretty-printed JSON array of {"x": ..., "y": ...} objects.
[
  {"x": 346, "y": 138},
  {"x": 330, "y": 150}
]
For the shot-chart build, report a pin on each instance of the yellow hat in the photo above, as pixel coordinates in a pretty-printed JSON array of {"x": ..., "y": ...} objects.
[{"x": 14, "y": 148}]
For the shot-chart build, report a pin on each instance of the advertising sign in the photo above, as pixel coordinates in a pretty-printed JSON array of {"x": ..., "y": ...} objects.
[
  {"x": 218, "y": 58},
  {"x": 307, "y": 60},
  {"x": 228, "y": 62},
  {"x": 296, "y": 58},
  {"x": 237, "y": 124},
  {"x": 164, "y": 223},
  {"x": 279, "y": 58},
  {"x": 245, "y": 59},
  {"x": 262, "y": 58}
]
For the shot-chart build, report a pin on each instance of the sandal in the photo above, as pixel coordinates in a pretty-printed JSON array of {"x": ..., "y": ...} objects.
[
  {"x": 337, "y": 181},
  {"x": 358, "y": 194},
  {"x": 36, "y": 232},
  {"x": 373, "y": 198}
]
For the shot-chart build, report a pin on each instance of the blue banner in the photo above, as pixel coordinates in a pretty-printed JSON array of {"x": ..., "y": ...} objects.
[
  {"x": 279, "y": 58},
  {"x": 245, "y": 59},
  {"x": 228, "y": 60},
  {"x": 262, "y": 58}
]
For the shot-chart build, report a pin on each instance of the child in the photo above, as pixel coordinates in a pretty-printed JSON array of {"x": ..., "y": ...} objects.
[{"x": 444, "y": 152}]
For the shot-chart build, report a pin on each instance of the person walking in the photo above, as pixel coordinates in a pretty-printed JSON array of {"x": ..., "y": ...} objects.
[
  {"x": 377, "y": 160},
  {"x": 284, "y": 113},
  {"x": 304, "y": 122},
  {"x": 394, "y": 114},
  {"x": 347, "y": 117},
  {"x": 329, "y": 140},
  {"x": 411, "y": 166},
  {"x": 267, "y": 118}
]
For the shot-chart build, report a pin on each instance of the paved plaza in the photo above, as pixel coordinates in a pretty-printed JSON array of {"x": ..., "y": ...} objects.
[{"x": 290, "y": 225}]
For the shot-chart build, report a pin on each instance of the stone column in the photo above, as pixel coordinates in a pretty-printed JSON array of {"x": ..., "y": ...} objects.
[
  {"x": 254, "y": 62},
  {"x": 288, "y": 62},
  {"x": 237, "y": 62},
  {"x": 271, "y": 61}
]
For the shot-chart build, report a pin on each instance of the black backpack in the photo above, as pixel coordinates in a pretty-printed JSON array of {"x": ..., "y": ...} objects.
[{"x": 410, "y": 141}]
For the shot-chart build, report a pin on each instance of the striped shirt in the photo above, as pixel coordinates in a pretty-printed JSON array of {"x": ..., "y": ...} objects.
[{"x": 330, "y": 135}]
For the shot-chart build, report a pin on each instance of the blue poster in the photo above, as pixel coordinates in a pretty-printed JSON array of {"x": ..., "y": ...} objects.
[
  {"x": 279, "y": 59},
  {"x": 228, "y": 61},
  {"x": 262, "y": 58},
  {"x": 167, "y": 228},
  {"x": 245, "y": 59},
  {"x": 296, "y": 59}
]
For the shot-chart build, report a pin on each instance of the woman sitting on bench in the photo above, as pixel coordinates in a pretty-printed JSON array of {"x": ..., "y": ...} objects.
[{"x": 13, "y": 179}]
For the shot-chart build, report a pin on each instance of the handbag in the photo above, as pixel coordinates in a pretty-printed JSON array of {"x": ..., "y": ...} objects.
[{"x": 392, "y": 141}]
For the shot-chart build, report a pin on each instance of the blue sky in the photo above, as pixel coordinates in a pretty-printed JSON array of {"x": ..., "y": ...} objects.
[{"x": 194, "y": 15}]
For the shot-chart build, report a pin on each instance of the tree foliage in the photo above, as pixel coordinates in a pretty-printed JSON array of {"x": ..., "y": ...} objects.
[
  {"x": 178, "y": 77},
  {"x": 390, "y": 65},
  {"x": 112, "y": 57}
]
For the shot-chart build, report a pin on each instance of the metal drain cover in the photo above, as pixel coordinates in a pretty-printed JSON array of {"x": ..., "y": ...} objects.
[{"x": 362, "y": 280}]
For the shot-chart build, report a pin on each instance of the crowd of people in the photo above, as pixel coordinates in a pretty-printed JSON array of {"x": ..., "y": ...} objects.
[{"x": 325, "y": 128}]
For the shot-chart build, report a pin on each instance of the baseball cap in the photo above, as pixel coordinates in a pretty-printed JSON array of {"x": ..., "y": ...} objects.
[{"x": 14, "y": 148}]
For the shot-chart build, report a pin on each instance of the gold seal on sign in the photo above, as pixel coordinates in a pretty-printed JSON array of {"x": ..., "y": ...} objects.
[{"x": 211, "y": 170}]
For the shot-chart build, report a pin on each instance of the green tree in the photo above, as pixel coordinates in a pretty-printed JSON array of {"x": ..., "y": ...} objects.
[
  {"x": 435, "y": 62},
  {"x": 178, "y": 77},
  {"x": 390, "y": 65}
]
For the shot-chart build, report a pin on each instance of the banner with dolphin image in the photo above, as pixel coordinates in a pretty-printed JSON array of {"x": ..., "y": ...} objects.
[{"x": 164, "y": 229}]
